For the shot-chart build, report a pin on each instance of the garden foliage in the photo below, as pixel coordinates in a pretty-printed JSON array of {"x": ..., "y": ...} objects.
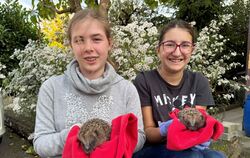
[
  {"x": 15, "y": 30},
  {"x": 37, "y": 63},
  {"x": 134, "y": 48},
  {"x": 210, "y": 59},
  {"x": 54, "y": 31},
  {"x": 237, "y": 34},
  {"x": 2, "y": 76},
  {"x": 201, "y": 11}
]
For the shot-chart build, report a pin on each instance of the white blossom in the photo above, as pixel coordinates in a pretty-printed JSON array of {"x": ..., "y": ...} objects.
[
  {"x": 37, "y": 63},
  {"x": 133, "y": 52},
  {"x": 209, "y": 59}
]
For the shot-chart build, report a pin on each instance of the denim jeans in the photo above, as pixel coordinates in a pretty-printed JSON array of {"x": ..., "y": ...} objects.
[{"x": 160, "y": 151}]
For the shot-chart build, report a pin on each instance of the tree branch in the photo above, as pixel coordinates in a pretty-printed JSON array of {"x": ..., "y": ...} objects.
[{"x": 74, "y": 6}]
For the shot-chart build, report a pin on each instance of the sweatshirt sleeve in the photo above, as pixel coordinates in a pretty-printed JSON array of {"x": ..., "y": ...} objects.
[
  {"x": 47, "y": 141},
  {"x": 134, "y": 106}
]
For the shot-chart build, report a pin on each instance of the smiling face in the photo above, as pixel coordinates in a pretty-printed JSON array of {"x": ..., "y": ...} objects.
[
  {"x": 175, "y": 61},
  {"x": 90, "y": 46}
]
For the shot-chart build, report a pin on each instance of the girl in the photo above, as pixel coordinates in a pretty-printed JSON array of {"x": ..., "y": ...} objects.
[
  {"x": 169, "y": 86},
  {"x": 89, "y": 88}
]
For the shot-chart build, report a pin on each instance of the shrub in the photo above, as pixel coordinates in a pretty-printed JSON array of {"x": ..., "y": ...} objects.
[
  {"x": 214, "y": 63},
  {"x": 134, "y": 48},
  {"x": 54, "y": 30},
  {"x": 15, "y": 30},
  {"x": 237, "y": 33},
  {"x": 2, "y": 76},
  {"x": 37, "y": 63}
]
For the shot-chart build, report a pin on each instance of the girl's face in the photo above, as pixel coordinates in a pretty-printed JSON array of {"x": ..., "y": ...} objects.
[
  {"x": 90, "y": 46},
  {"x": 174, "y": 59}
]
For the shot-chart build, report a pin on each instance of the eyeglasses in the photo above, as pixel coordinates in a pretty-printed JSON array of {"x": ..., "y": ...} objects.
[{"x": 171, "y": 46}]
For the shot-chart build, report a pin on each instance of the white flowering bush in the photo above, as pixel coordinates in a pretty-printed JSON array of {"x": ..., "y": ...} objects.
[
  {"x": 135, "y": 38},
  {"x": 2, "y": 76},
  {"x": 37, "y": 63},
  {"x": 134, "y": 48},
  {"x": 210, "y": 59}
]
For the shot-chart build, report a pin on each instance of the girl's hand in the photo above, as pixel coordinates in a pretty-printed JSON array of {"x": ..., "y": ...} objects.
[{"x": 164, "y": 127}]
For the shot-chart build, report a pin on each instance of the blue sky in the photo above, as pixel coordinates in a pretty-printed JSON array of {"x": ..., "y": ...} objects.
[{"x": 25, "y": 3}]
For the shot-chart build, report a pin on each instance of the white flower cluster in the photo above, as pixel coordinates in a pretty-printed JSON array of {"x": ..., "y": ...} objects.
[
  {"x": 210, "y": 60},
  {"x": 134, "y": 48},
  {"x": 37, "y": 63},
  {"x": 135, "y": 38},
  {"x": 2, "y": 76},
  {"x": 121, "y": 11}
]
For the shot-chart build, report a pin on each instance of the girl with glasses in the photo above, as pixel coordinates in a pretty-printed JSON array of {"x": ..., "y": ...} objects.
[{"x": 171, "y": 86}]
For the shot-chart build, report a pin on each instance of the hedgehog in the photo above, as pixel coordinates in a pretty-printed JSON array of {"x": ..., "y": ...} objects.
[
  {"x": 93, "y": 133},
  {"x": 192, "y": 118}
]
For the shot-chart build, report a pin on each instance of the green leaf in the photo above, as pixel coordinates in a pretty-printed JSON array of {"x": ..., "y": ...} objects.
[
  {"x": 167, "y": 1},
  {"x": 207, "y": 3},
  {"x": 33, "y": 19},
  {"x": 30, "y": 150},
  {"x": 91, "y": 3},
  {"x": 152, "y": 3}
]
